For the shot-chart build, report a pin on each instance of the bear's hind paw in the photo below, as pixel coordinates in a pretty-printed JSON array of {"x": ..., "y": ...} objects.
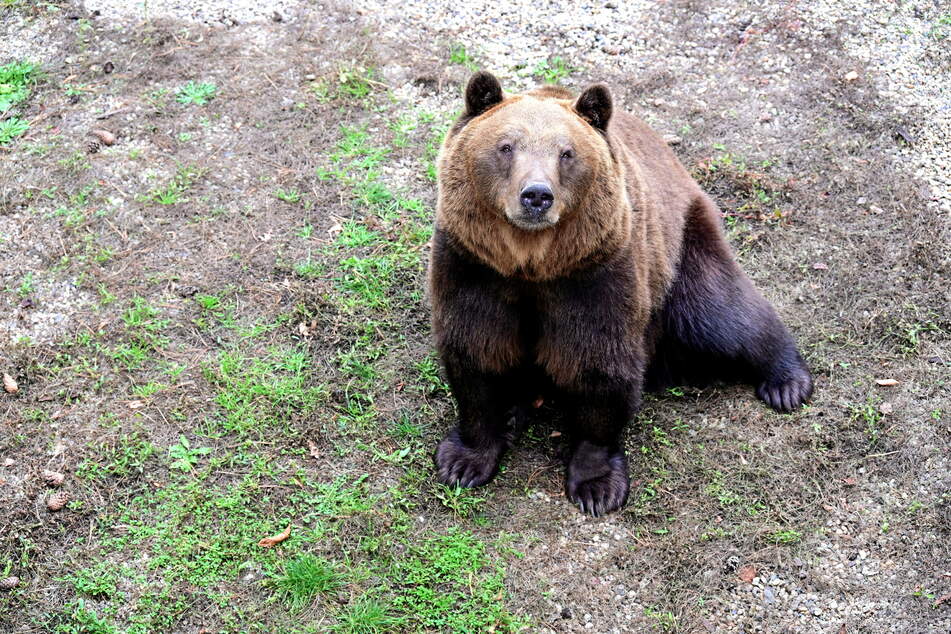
[{"x": 788, "y": 394}]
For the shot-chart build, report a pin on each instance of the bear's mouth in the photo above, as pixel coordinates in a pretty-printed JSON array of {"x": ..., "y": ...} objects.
[{"x": 529, "y": 222}]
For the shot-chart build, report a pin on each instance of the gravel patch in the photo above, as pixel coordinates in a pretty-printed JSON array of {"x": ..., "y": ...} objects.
[{"x": 210, "y": 12}]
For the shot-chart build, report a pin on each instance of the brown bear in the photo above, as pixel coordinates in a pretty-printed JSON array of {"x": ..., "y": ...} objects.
[{"x": 574, "y": 257}]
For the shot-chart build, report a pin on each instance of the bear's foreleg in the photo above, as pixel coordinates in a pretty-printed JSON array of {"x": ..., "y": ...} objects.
[
  {"x": 469, "y": 455},
  {"x": 596, "y": 477}
]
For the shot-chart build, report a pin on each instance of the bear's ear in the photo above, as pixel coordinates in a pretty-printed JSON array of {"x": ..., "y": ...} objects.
[
  {"x": 594, "y": 106},
  {"x": 483, "y": 92}
]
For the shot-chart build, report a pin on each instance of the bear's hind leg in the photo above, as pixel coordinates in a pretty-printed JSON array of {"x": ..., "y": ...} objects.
[{"x": 717, "y": 318}]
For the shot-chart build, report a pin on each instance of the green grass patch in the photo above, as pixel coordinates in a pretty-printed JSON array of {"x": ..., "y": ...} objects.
[
  {"x": 12, "y": 128},
  {"x": 198, "y": 94},
  {"x": 368, "y": 615},
  {"x": 262, "y": 394},
  {"x": 16, "y": 80},
  {"x": 304, "y": 579},
  {"x": 126, "y": 456},
  {"x": 553, "y": 70},
  {"x": 449, "y": 583}
]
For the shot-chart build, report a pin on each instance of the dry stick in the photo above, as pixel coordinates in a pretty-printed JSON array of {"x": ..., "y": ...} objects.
[
  {"x": 881, "y": 455},
  {"x": 120, "y": 109}
]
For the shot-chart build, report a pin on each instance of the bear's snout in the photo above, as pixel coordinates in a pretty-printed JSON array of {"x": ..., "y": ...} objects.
[{"x": 537, "y": 198}]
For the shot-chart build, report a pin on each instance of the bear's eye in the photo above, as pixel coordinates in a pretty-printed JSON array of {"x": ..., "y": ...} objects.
[
  {"x": 505, "y": 148},
  {"x": 567, "y": 154}
]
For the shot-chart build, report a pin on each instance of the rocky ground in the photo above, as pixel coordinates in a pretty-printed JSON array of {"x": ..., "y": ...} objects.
[{"x": 245, "y": 274}]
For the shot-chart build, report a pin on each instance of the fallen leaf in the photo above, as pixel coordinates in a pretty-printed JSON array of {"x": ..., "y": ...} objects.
[
  {"x": 274, "y": 540},
  {"x": 849, "y": 481},
  {"x": 886, "y": 382},
  {"x": 9, "y": 384},
  {"x": 312, "y": 448},
  {"x": 851, "y": 76},
  {"x": 747, "y": 573},
  {"x": 335, "y": 229},
  {"x": 886, "y": 408},
  {"x": 538, "y": 402},
  {"x": 554, "y": 434},
  {"x": 942, "y": 599},
  {"x": 820, "y": 266},
  {"x": 135, "y": 404},
  {"x": 303, "y": 330}
]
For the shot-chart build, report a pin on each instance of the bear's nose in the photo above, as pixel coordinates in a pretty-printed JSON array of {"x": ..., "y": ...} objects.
[{"x": 537, "y": 197}]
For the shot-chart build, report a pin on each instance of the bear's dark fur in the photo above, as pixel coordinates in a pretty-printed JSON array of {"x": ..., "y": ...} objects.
[{"x": 574, "y": 257}]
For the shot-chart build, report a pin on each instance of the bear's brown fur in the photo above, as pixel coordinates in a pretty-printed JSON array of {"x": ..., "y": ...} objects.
[{"x": 574, "y": 256}]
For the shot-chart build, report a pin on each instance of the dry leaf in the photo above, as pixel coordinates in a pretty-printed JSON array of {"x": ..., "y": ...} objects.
[
  {"x": 135, "y": 404},
  {"x": 554, "y": 434},
  {"x": 747, "y": 573},
  {"x": 942, "y": 599},
  {"x": 886, "y": 408},
  {"x": 849, "y": 481},
  {"x": 303, "y": 330},
  {"x": 335, "y": 229},
  {"x": 274, "y": 540},
  {"x": 851, "y": 76},
  {"x": 9, "y": 384},
  {"x": 53, "y": 478},
  {"x": 820, "y": 266},
  {"x": 886, "y": 382},
  {"x": 312, "y": 448},
  {"x": 57, "y": 501},
  {"x": 538, "y": 402},
  {"x": 9, "y": 583}
]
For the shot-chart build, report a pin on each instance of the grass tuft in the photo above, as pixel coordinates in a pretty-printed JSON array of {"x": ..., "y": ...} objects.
[{"x": 304, "y": 579}]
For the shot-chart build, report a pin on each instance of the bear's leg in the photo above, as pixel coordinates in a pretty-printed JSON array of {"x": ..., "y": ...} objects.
[
  {"x": 469, "y": 455},
  {"x": 720, "y": 322},
  {"x": 596, "y": 476}
]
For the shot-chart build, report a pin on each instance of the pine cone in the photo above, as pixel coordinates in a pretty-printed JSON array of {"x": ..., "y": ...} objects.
[
  {"x": 10, "y": 384},
  {"x": 53, "y": 478},
  {"x": 57, "y": 501},
  {"x": 104, "y": 136},
  {"x": 9, "y": 583}
]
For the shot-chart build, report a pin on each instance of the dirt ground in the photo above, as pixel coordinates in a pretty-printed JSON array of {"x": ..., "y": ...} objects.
[{"x": 217, "y": 330}]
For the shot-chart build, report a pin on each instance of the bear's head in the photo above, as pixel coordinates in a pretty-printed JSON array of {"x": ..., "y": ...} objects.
[{"x": 530, "y": 183}]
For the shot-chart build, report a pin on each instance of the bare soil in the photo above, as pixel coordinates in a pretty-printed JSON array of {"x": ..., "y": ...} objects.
[{"x": 247, "y": 274}]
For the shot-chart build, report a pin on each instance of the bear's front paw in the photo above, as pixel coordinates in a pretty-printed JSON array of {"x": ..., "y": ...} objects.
[
  {"x": 788, "y": 393},
  {"x": 597, "y": 479},
  {"x": 460, "y": 465}
]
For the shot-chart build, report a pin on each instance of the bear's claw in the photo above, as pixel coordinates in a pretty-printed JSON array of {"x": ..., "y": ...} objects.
[
  {"x": 460, "y": 465},
  {"x": 597, "y": 482},
  {"x": 787, "y": 394}
]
